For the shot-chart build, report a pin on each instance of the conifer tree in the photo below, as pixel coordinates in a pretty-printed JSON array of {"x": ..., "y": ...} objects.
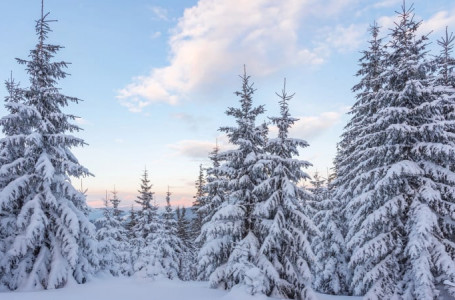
[
  {"x": 147, "y": 226},
  {"x": 396, "y": 181},
  {"x": 53, "y": 242},
  {"x": 198, "y": 202},
  {"x": 232, "y": 235},
  {"x": 11, "y": 150},
  {"x": 187, "y": 257},
  {"x": 131, "y": 224},
  {"x": 215, "y": 189},
  {"x": 285, "y": 256},
  {"x": 165, "y": 250},
  {"x": 330, "y": 274}
]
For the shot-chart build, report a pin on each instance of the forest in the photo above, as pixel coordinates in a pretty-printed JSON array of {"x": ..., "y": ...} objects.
[{"x": 381, "y": 226}]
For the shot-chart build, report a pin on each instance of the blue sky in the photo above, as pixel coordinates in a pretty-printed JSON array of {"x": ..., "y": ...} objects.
[{"x": 157, "y": 76}]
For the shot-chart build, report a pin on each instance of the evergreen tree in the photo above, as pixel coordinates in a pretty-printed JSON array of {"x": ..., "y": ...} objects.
[
  {"x": 285, "y": 256},
  {"x": 331, "y": 275},
  {"x": 166, "y": 249},
  {"x": 232, "y": 235},
  {"x": 11, "y": 150},
  {"x": 147, "y": 226},
  {"x": 131, "y": 224},
  {"x": 394, "y": 176},
  {"x": 187, "y": 257},
  {"x": 198, "y": 202},
  {"x": 53, "y": 242},
  {"x": 215, "y": 189}
]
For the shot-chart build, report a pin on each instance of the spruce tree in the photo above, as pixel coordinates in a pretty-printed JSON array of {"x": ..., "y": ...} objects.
[
  {"x": 113, "y": 246},
  {"x": 198, "y": 202},
  {"x": 53, "y": 241},
  {"x": 147, "y": 225},
  {"x": 285, "y": 255},
  {"x": 394, "y": 176},
  {"x": 330, "y": 273},
  {"x": 166, "y": 249},
  {"x": 215, "y": 189},
  {"x": 187, "y": 257},
  {"x": 232, "y": 235}
]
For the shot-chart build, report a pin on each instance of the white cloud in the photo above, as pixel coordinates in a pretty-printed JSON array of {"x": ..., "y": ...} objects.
[
  {"x": 438, "y": 22},
  {"x": 345, "y": 39},
  {"x": 156, "y": 35},
  {"x": 119, "y": 140},
  {"x": 193, "y": 148},
  {"x": 81, "y": 121},
  {"x": 215, "y": 38},
  {"x": 159, "y": 12},
  {"x": 310, "y": 127}
]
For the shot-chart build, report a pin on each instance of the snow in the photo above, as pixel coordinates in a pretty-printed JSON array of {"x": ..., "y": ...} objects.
[{"x": 114, "y": 288}]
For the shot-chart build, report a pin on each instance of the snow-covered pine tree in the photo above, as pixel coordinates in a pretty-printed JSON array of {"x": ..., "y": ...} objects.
[
  {"x": 215, "y": 189},
  {"x": 166, "y": 249},
  {"x": 187, "y": 270},
  {"x": 444, "y": 85},
  {"x": 131, "y": 224},
  {"x": 54, "y": 241},
  {"x": 397, "y": 179},
  {"x": 115, "y": 201},
  {"x": 285, "y": 256},
  {"x": 232, "y": 235},
  {"x": 198, "y": 202},
  {"x": 113, "y": 248},
  {"x": 147, "y": 224},
  {"x": 11, "y": 150},
  {"x": 330, "y": 273}
]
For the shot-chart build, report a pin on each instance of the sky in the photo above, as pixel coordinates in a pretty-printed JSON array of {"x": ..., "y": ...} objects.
[{"x": 156, "y": 76}]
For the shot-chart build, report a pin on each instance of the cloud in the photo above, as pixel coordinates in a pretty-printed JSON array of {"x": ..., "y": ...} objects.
[
  {"x": 160, "y": 13},
  {"x": 438, "y": 22},
  {"x": 193, "y": 148},
  {"x": 215, "y": 38},
  {"x": 156, "y": 35},
  {"x": 119, "y": 140},
  {"x": 198, "y": 149},
  {"x": 346, "y": 39},
  {"x": 192, "y": 122},
  {"x": 81, "y": 121},
  {"x": 310, "y": 127}
]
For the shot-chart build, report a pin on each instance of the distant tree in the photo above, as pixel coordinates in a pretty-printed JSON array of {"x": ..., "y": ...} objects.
[
  {"x": 113, "y": 244},
  {"x": 187, "y": 258},
  {"x": 215, "y": 196},
  {"x": 53, "y": 241},
  {"x": 147, "y": 225},
  {"x": 165, "y": 250},
  {"x": 199, "y": 201}
]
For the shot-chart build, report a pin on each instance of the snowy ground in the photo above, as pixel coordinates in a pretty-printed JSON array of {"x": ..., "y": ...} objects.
[{"x": 142, "y": 289}]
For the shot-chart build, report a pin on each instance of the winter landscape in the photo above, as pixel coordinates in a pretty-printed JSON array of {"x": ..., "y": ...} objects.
[{"x": 378, "y": 223}]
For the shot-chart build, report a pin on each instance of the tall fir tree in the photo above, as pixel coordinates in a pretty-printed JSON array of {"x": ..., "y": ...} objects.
[
  {"x": 394, "y": 176},
  {"x": 53, "y": 242},
  {"x": 232, "y": 235},
  {"x": 285, "y": 256}
]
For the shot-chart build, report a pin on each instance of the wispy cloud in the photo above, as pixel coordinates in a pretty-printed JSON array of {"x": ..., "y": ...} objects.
[{"x": 159, "y": 12}]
